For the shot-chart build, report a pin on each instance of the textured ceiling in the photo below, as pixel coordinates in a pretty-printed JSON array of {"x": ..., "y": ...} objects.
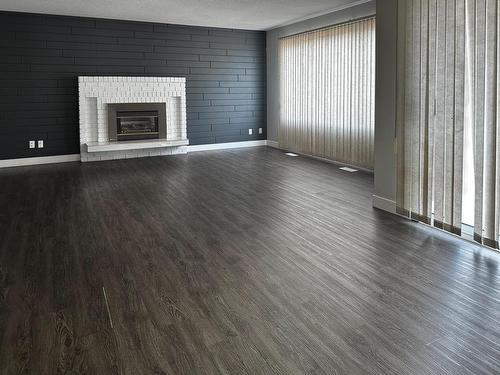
[{"x": 239, "y": 14}]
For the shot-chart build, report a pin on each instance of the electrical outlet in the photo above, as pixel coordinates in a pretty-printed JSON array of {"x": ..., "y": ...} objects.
[
  {"x": 260, "y": 130},
  {"x": 250, "y": 131},
  {"x": 40, "y": 143},
  {"x": 32, "y": 144}
]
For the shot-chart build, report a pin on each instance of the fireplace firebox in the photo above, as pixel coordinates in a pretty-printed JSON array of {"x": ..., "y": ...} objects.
[
  {"x": 136, "y": 121},
  {"x": 132, "y": 125}
]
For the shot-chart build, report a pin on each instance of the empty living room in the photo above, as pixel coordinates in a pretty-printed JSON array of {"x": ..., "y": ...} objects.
[{"x": 250, "y": 187}]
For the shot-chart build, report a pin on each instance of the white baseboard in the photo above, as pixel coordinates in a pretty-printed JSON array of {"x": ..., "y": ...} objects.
[
  {"x": 224, "y": 146},
  {"x": 384, "y": 204},
  {"x": 39, "y": 160},
  {"x": 273, "y": 144},
  {"x": 76, "y": 157}
]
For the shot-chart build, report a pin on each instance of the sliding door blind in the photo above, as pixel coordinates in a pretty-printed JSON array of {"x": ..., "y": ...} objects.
[
  {"x": 327, "y": 92},
  {"x": 431, "y": 125},
  {"x": 450, "y": 88},
  {"x": 483, "y": 29}
]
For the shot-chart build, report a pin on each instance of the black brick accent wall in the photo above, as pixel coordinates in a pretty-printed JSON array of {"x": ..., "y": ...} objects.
[{"x": 42, "y": 56}]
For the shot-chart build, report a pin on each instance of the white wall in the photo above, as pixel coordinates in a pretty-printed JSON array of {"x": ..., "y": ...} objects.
[{"x": 356, "y": 12}]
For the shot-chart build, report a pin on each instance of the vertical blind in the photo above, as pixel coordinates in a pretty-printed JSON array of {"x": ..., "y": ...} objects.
[
  {"x": 327, "y": 80},
  {"x": 449, "y": 123}
]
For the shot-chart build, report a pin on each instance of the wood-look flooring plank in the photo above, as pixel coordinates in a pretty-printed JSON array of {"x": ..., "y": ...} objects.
[{"x": 232, "y": 262}]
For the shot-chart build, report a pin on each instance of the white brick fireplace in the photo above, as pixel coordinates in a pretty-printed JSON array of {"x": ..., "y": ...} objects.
[{"x": 95, "y": 93}]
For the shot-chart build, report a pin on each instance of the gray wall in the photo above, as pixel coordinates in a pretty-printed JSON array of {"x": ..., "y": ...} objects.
[
  {"x": 385, "y": 91},
  {"x": 42, "y": 56},
  {"x": 386, "y": 82},
  {"x": 345, "y": 15}
]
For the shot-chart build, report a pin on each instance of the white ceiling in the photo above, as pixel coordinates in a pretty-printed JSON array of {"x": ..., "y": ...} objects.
[{"x": 239, "y": 14}]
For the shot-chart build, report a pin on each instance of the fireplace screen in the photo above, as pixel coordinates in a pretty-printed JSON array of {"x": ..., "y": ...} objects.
[
  {"x": 133, "y": 125},
  {"x": 135, "y": 121}
]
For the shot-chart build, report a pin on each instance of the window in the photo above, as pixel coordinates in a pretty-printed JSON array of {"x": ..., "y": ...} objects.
[{"x": 327, "y": 89}]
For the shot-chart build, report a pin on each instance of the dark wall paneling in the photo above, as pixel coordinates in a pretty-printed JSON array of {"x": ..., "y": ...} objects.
[{"x": 42, "y": 56}]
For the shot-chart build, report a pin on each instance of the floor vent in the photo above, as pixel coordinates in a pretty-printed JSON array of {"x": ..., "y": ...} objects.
[{"x": 347, "y": 169}]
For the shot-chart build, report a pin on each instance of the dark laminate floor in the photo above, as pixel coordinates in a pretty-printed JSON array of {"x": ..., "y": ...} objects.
[{"x": 232, "y": 262}]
